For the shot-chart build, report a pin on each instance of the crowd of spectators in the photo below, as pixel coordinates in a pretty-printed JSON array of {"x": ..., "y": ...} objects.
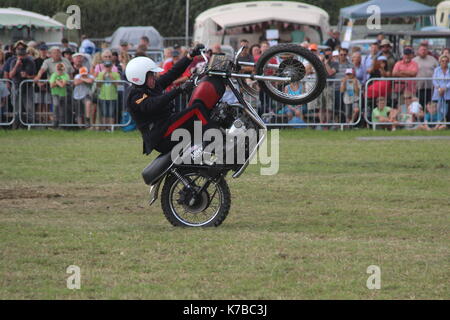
[
  {"x": 84, "y": 88},
  {"x": 64, "y": 87},
  {"x": 415, "y": 103}
]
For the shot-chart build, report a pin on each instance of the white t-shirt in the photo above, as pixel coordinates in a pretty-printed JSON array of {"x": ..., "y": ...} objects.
[{"x": 82, "y": 90}]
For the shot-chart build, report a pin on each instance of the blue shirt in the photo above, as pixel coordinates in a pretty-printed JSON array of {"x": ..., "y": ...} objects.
[{"x": 441, "y": 80}]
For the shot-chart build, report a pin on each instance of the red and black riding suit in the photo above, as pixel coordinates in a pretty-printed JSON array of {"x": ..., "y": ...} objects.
[{"x": 151, "y": 108}]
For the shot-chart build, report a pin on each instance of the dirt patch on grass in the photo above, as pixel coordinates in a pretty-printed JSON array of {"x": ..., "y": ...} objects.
[{"x": 26, "y": 193}]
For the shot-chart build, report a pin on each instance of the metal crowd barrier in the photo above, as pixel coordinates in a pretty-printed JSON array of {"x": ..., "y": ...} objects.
[
  {"x": 7, "y": 102},
  {"x": 329, "y": 109},
  {"x": 413, "y": 101},
  {"x": 39, "y": 108},
  {"x": 33, "y": 105}
]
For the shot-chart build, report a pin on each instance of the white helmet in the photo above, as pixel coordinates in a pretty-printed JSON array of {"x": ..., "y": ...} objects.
[{"x": 137, "y": 69}]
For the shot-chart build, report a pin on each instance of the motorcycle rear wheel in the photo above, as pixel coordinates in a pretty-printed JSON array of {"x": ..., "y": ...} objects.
[
  {"x": 216, "y": 199},
  {"x": 291, "y": 62}
]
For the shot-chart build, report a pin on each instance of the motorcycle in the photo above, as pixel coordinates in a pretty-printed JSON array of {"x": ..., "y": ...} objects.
[{"x": 197, "y": 194}]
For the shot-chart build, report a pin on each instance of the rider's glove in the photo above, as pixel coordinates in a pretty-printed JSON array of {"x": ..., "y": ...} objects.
[
  {"x": 187, "y": 87},
  {"x": 196, "y": 51}
]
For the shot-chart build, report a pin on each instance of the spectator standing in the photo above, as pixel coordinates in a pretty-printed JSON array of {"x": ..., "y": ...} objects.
[
  {"x": 371, "y": 58},
  {"x": 380, "y": 37},
  {"x": 406, "y": 68},
  {"x": 179, "y": 102},
  {"x": 350, "y": 89},
  {"x": 245, "y": 56},
  {"x": 22, "y": 67},
  {"x": 124, "y": 58},
  {"x": 42, "y": 95},
  {"x": 334, "y": 42},
  {"x": 144, "y": 43},
  {"x": 167, "y": 56},
  {"x": 263, "y": 97},
  {"x": 58, "y": 84},
  {"x": 49, "y": 65},
  {"x": 124, "y": 47},
  {"x": 67, "y": 53},
  {"x": 331, "y": 66},
  {"x": 343, "y": 65},
  {"x": 65, "y": 44},
  {"x": 4, "y": 91},
  {"x": 441, "y": 93},
  {"x": 380, "y": 68},
  {"x": 87, "y": 46},
  {"x": 108, "y": 96},
  {"x": 360, "y": 71},
  {"x": 106, "y": 56},
  {"x": 82, "y": 94},
  {"x": 78, "y": 61},
  {"x": 255, "y": 51},
  {"x": 427, "y": 64},
  {"x": 386, "y": 50},
  {"x": 116, "y": 63}
]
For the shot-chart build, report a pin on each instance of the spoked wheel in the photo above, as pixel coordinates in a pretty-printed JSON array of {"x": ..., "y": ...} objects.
[
  {"x": 307, "y": 73},
  {"x": 183, "y": 207}
]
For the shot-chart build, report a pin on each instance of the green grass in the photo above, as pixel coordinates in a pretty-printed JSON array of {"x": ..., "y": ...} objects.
[{"x": 337, "y": 206}]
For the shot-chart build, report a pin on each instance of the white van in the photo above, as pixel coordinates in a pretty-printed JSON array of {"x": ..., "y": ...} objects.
[{"x": 279, "y": 21}]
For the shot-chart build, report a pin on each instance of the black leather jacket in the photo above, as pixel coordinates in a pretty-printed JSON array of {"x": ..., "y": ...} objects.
[{"x": 151, "y": 108}]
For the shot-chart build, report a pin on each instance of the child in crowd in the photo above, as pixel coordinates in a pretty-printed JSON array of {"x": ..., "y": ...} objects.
[
  {"x": 108, "y": 93},
  {"x": 384, "y": 114},
  {"x": 83, "y": 96},
  {"x": 58, "y": 84},
  {"x": 350, "y": 88},
  {"x": 432, "y": 115}
]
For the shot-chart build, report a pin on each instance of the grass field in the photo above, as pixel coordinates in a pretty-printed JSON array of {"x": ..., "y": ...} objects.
[{"x": 337, "y": 206}]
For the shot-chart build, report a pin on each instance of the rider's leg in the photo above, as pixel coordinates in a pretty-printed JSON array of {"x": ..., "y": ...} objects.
[{"x": 185, "y": 120}]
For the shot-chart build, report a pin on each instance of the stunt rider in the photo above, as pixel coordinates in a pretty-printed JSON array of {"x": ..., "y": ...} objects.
[{"x": 151, "y": 107}]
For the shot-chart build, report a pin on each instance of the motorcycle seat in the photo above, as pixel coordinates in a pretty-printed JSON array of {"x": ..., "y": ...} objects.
[{"x": 156, "y": 168}]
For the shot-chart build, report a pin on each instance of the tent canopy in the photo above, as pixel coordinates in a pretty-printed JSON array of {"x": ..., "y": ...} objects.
[
  {"x": 389, "y": 8},
  {"x": 133, "y": 34},
  {"x": 241, "y": 13},
  {"x": 13, "y": 17}
]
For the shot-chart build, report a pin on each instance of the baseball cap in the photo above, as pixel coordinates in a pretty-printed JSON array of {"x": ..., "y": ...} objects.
[
  {"x": 43, "y": 47},
  {"x": 408, "y": 51},
  {"x": 349, "y": 71},
  {"x": 123, "y": 43},
  {"x": 68, "y": 50},
  {"x": 83, "y": 70},
  {"x": 313, "y": 46},
  {"x": 107, "y": 63},
  {"x": 382, "y": 58},
  {"x": 176, "y": 46},
  {"x": 175, "y": 53},
  {"x": 77, "y": 54},
  {"x": 335, "y": 53}
]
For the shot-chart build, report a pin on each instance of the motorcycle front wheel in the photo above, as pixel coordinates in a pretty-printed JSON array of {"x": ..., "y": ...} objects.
[
  {"x": 208, "y": 209},
  {"x": 307, "y": 73}
]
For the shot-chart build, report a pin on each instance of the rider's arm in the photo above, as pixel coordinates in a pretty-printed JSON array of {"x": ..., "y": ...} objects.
[
  {"x": 151, "y": 105},
  {"x": 173, "y": 74}
]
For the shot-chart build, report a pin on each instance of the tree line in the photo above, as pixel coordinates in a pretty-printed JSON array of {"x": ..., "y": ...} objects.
[{"x": 99, "y": 18}]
